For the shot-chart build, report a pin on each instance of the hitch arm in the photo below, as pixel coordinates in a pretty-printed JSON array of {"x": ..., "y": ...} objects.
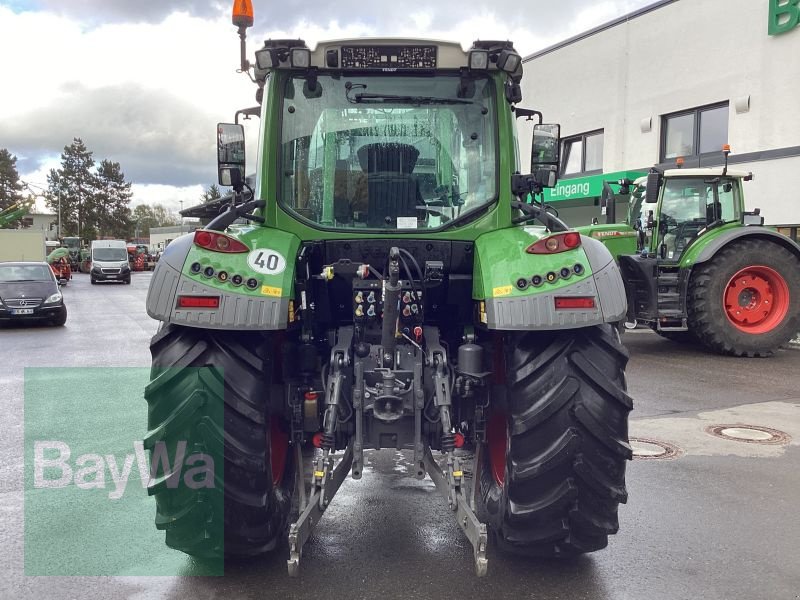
[
  {"x": 300, "y": 530},
  {"x": 465, "y": 516}
]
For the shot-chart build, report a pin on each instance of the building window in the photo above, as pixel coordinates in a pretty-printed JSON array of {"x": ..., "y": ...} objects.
[
  {"x": 691, "y": 133},
  {"x": 582, "y": 154}
]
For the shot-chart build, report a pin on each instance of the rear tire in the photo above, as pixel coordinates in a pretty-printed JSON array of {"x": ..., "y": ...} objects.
[
  {"x": 248, "y": 514},
  {"x": 713, "y": 299},
  {"x": 555, "y": 490}
]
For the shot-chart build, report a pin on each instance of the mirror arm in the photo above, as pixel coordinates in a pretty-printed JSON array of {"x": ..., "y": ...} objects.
[
  {"x": 530, "y": 211},
  {"x": 223, "y": 221},
  {"x": 528, "y": 113}
]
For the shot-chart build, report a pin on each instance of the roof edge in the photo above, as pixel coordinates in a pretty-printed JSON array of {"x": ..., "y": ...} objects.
[{"x": 581, "y": 36}]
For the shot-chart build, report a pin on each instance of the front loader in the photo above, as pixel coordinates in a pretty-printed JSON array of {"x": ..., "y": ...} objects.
[{"x": 390, "y": 281}]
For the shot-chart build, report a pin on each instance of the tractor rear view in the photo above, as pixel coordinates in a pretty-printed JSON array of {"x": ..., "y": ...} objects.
[
  {"x": 397, "y": 284},
  {"x": 698, "y": 267}
]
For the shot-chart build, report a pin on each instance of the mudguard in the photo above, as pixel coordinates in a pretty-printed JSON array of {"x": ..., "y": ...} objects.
[
  {"x": 706, "y": 249},
  {"x": 502, "y": 265},
  {"x": 187, "y": 269}
]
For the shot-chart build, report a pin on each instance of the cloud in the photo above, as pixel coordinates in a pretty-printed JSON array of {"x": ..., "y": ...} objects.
[
  {"x": 154, "y": 135},
  {"x": 142, "y": 11},
  {"x": 143, "y": 83}
]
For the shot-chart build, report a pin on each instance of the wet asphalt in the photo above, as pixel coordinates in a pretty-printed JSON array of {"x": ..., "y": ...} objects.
[{"x": 720, "y": 521}]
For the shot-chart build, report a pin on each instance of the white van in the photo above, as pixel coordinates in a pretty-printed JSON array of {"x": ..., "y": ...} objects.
[{"x": 110, "y": 261}]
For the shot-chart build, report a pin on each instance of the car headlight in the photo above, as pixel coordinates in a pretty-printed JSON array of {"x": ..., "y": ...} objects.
[{"x": 54, "y": 298}]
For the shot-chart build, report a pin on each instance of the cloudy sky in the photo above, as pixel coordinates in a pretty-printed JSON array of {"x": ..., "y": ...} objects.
[{"x": 144, "y": 82}]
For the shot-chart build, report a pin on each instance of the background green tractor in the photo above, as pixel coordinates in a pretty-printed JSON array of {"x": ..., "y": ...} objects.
[
  {"x": 385, "y": 285},
  {"x": 698, "y": 267}
]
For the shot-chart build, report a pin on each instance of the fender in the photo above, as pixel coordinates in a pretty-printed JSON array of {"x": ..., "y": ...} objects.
[
  {"x": 268, "y": 265},
  {"x": 510, "y": 301},
  {"x": 705, "y": 252}
]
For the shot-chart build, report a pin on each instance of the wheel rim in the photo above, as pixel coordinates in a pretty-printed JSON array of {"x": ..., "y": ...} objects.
[
  {"x": 497, "y": 441},
  {"x": 756, "y": 299},
  {"x": 278, "y": 450}
]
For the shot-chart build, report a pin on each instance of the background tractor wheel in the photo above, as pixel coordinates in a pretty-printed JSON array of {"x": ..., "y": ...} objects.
[
  {"x": 746, "y": 300},
  {"x": 554, "y": 472},
  {"x": 247, "y": 509}
]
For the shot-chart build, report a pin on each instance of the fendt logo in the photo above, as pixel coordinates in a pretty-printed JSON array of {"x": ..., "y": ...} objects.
[{"x": 784, "y": 15}]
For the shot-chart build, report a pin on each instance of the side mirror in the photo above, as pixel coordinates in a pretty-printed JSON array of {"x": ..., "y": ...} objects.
[
  {"x": 651, "y": 191},
  {"x": 546, "y": 145},
  {"x": 230, "y": 154}
]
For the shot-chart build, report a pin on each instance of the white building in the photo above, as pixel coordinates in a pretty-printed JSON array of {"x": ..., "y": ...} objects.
[
  {"x": 45, "y": 221},
  {"x": 160, "y": 237},
  {"x": 676, "y": 78}
]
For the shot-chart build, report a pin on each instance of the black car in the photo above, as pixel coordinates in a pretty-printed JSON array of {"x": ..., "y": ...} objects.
[{"x": 29, "y": 291}]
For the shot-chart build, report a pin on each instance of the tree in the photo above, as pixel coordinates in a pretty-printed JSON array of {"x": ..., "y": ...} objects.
[
  {"x": 211, "y": 194},
  {"x": 147, "y": 216},
  {"x": 94, "y": 199},
  {"x": 75, "y": 184},
  {"x": 10, "y": 185},
  {"x": 112, "y": 199}
]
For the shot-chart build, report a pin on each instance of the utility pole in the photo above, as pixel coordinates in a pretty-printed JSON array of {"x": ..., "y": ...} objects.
[{"x": 58, "y": 233}]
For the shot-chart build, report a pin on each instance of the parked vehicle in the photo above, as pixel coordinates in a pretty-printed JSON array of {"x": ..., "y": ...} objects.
[
  {"x": 110, "y": 261},
  {"x": 28, "y": 292},
  {"x": 59, "y": 263},
  {"x": 698, "y": 266}
]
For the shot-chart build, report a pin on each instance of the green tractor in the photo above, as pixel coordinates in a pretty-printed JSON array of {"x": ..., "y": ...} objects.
[
  {"x": 698, "y": 267},
  {"x": 73, "y": 244},
  {"x": 391, "y": 281}
]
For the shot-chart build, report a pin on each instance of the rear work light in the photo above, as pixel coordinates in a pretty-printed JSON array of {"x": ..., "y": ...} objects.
[
  {"x": 218, "y": 242},
  {"x": 574, "y": 302},
  {"x": 559, "y": 242},
  {"x": 198, "y": 301}
]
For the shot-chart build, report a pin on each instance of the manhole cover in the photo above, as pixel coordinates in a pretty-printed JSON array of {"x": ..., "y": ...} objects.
[
  {"x": 647, "y": 449},
  {"x": 749, "y": 434}
]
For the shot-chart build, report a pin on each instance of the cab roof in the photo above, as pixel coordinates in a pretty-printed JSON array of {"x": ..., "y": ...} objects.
[{"x": 705, "y": 172}]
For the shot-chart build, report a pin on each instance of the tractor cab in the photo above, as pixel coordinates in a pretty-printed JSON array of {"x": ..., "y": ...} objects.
[
  {"x": 691, "y": 203},
  {"x": 672, "y": 213}
]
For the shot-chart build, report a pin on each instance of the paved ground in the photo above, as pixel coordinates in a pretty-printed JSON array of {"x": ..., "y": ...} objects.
[{"x": 720, "y": 521}]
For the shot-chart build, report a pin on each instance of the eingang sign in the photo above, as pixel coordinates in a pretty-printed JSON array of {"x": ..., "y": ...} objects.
[{"x": 784, "y": 15}]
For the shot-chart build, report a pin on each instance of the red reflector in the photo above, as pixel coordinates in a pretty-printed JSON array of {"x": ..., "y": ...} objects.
[
  {"x": 559, "y": 242},
  {"x": 211, "y": 240},
  {"x": 316, "y": 440},
  {"x": 572, "y": 239},
  {"x": 198, "y": 301},
  {"x": 574, "y": 302},
  {"x": 311, "y": 395},
  {"x": 459, "y": 441}
]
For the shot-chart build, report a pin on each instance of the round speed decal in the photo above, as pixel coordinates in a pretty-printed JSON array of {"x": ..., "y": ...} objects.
[{"x": 266, "y": 261}]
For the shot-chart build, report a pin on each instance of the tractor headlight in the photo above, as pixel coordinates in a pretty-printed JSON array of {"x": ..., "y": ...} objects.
[
  {"x": 508, "y": 61},
  {"x": 266, "y": 59},
  {"x": 478, "y": 59},
  {"x": 54, "y": 298},
  {"x": 300, "y": 58}
]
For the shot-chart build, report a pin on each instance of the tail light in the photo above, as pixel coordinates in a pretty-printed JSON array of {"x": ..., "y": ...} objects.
[
  {"x": 218, "y": 242},
  {"x": 574, "y": 302},
  {"x": 198, "y": 301},
  {"x": 559, "y": 242}
]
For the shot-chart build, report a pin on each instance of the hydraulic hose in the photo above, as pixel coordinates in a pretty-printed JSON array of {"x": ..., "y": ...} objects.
[{"x": 391, "y": 302}]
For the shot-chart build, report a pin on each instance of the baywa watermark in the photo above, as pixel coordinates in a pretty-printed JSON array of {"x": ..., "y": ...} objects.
[{"x": 53, "y": 468}]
